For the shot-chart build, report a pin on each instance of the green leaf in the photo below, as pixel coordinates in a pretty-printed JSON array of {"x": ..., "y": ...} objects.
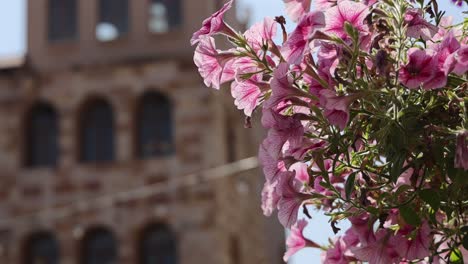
[
  {"x": 431, "y": 197},
  {"x": 395, "y": 170},
  {"x": 410, "y": 216},
  {"x": 349, "y": 185},
  {"x": 456, "y": 257},
  {"x": 372, "y": 210},
  {"x": 454, "y": 81}
]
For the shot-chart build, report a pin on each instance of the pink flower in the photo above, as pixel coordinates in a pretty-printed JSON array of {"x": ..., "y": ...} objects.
[
  {"x": 290, "y": 198},
  {"x": 446, "y": 52},
  {"x": 416, "y": 247},
  {"x": 378, "y": 251},
  {"x": 296, "y": 9},
  {"x": 270, "y": 198},
  {"x": 421, "y": 70},
  {"x": 247, "y": 93},
  {"x": 337, "y": 253},
  {"x": 281, "y": 86},
  {"x": 271, "y": 166},
  {"x": 325, "y": 4},
  {"x": 301, "y": 172},
  {"x": 298, "y": 147},
  {"x": 297, "y": 43},
  {"x": 346, "y": 12},
  {"x": 296, "y": 240},
  {"x": 214, "y": 66},
  {"x": 460, "y": 58},
  {"x": 261, "y": 33},
  {"x": 336, "y": 107},
  {"x": 283, "y": 128},
  {"x": 417, "y": 26},
  {"x": 461, "y": 152},
  {"x": 213, "y": 25}
]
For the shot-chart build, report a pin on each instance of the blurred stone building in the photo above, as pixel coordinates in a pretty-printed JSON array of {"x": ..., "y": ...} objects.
[{"x": 103, "y": 122}]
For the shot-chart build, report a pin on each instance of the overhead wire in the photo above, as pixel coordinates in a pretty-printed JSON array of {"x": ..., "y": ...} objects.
[{"x": 136, "y": 193}]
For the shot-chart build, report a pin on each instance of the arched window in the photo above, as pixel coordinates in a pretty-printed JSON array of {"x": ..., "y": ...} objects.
[
  {"x": 42, "y": 248},
  {"x": 154, "y": 126},
  {"x": 164, "y": 15},
  {"x": 97, "y": 132},
  {"x": 113, "y": 19},
  {"x": 41, "y": 142},
  {"x": 158, "y": 246},
  {"x": 99, "y": 247},
  {"x": 62, "y": 20}
]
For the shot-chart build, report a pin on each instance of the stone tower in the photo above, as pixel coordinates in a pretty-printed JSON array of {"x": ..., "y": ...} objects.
[{"x": 113, "y": 151}]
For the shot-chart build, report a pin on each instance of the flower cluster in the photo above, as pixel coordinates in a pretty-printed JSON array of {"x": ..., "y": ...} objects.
[{"x": 366, "y": 107}]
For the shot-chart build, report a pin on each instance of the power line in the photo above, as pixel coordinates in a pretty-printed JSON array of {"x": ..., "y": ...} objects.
[{"x": 142, "y": 192}]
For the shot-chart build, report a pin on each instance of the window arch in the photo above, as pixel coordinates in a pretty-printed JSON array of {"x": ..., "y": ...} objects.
[
  {"x": 158, "y": 245},
  {"x": 41, "y": 142},
  {"x": 154, "y": 126},
  {"x": 42, "y": 248},
  {"x": 113, "y": 19},
  {"x": 164, "y": 15},
  {"x": 97, "y": 132},
  {"x": 63, "y": 18},
  {"x": 99, "y": 247}
]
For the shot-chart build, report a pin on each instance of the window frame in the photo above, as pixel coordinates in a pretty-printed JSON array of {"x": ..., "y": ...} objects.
[
  {"x": 83, "y": 117},
  {"x": 30, "y": 144},
  {"x": 171, "y": 29},
  {"x": 152, "y": 229},
  {"x": 40, "y": 235},
  {"x": 92, "y": 234},
  {"x": 74, "y": 36},
  {"x": 121, "y": 34},
  {"x": 139, "y": 122}
]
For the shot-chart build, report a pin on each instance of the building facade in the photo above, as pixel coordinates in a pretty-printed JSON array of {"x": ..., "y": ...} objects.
[{"x": 107, "y": 139}]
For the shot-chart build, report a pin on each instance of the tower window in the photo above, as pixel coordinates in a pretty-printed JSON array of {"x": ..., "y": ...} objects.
[
  {"x": 42, "y": 248},
  {"x": 154, "y": 126},
  {"x": 113, "y": 19},
  {"x": 164, "y": 15},
  {"x": 158, "y": 246},
  {"x": 97, "y": 132},
  {"x": 99, "y": 247},
  {"x": 41, "y": 136},
  {"x": 62, "y": 20}
]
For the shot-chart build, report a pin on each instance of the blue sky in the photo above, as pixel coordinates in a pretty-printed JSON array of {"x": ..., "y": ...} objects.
[{"x": 13, "y": 42}]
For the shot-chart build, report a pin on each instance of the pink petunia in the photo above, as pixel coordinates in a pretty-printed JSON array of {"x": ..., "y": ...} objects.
[
  {"x": 337, "y": 253},
  {"x": 344, "y": 12},
  {"x": 460, "y": 60},
  {"x": 378, "y": 250},
  {"x": 247, "y": 93},
  {"x": 420, "y": 69},
  {"x": 214, "y": 66},
  {"x": 301, "y": 172},
  {"x": 296, "y": 45},
  {"x": 261, "y": 33},
  {"x": 336, "y": 107},
  {"x": 290, "y": 200},
  {"x": 296, "y": 9},
  {"x": 281, "y": 86},
  {"x": 446, "y": 52},
  {"x": 296, "y": 240},
  {"x": 213, "y": 25},
  {"x": 271, "y": 167},
  {"x": 417, "y": 26},
  {"x": 298, "y": 147},
  {"x": 282, "y": 129},
  {"x": 416, "y": 247}
]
